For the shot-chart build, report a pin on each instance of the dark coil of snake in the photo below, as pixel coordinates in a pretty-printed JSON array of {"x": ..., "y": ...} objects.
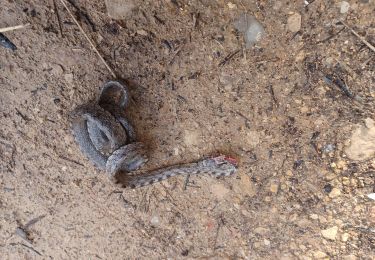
[{"x": 106, "y": 137}]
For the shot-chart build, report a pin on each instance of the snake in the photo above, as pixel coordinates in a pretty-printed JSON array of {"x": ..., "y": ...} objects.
[{"x": 107, "y": 138}]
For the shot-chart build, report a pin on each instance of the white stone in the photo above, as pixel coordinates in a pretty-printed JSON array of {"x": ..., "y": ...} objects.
[
  {"x": 119, "y": 9},
  {"x": 294, "y": 22},
  {"x": 344, "y": 7},
  {"x": 335, "y": 193},
  {"x": 330, "y": 233}
]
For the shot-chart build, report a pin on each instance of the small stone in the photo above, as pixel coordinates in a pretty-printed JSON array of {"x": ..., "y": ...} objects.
[
  {"x": 57, "y": 69},
  {"x": 252, "y": 29},
  {"x": 345, "y": 181},
  {"x": 231, "y": 5},
  {"x": 344, "y": 7},
  {"x": 334, "y": 193},
  {"x": 350, "y": 257},
  {"x": 294, "y": 22},
  {"x": 330, "y": 233},
  {"x": 328, "y": 188},
  {"x": 69, "y": 78},
  {"x": 266, "y": 242},
  {"x": 274, "y": 188},
  {"x": 341, "y": 164},
  {"x": 362, "y": 143},
  {"x": 119, "y": 9},
  {"x": 314, "y": 216},
  {"x": 319, "y": 254},
  {"x": 142, "y": 32},
  {"x": 371, "y": 196},
  {"x": 261, "y": 230},
  {"x": 155, "y": 220},
  {"x": 344, "y": 237}
]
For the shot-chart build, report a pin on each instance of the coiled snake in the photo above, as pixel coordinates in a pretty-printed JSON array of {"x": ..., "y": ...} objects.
[{"x": 106, "y": 137}]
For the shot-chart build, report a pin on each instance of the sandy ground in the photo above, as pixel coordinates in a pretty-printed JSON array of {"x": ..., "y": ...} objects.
[{"x": 300, "y": 192}]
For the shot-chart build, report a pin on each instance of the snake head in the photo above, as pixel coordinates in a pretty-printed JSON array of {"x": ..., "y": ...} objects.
[
  {"x": 220, "y": 165},
  {"x": 223, "y": 159}
]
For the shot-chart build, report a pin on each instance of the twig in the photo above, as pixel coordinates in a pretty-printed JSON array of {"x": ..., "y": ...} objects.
[
  {"x": 11, "y": 28},
  {"x": 29, "y": 247},
  {"x": 88, "y": 39},
  {"x": 272, "y": 92},
  {"x": 359, "y": 36},
  {"x": 228, "y": 58},
  {"x": 186, "y": 181},
  {"x": 58, "y": 17},
  {"x": 33, "y": 221}
]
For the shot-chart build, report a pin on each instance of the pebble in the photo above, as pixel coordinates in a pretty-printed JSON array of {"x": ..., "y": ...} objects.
[
  {"x": 69, "y": 78},
  {"x": 274, "y": 188},
  {"x": 266, "y": 242},
  {"x": 119, "y": 9},
  {"x": 334, "y": 193},
  {"x": 294, "y": 22},
  {"x": 155, "y": 220},
  {"x": 314, "y": 216},
  {"x": 371, "y": 196},
  {"x": 253, "y": 30},
  {"x": 231, "y": 5},
  {"x": 330, "y": 233},
  {"x": 344, "y": 237},
  {"x": 362, "y": 143},
  {"x": 142, "y": 32},
  {"x": 261, "y": 230},
  {"x": 344, "y": 7},
  {"x": 319, "y": 254},
  {"x": 57, "y": 69}
]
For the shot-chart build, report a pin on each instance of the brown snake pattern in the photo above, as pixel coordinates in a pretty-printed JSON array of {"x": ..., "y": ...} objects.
[{"x": 106, "y": 137}]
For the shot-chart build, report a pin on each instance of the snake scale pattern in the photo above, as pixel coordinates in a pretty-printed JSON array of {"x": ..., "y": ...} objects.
[{"x": 108, "y": 140}]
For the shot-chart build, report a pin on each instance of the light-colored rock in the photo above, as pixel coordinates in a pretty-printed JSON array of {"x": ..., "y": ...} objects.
[
  {"x": 362, "y": 143},
  {"x": 335, "y": 193},
  {"x": 330, "y": 233},
  {"x": 57, "y": 69},
  {"x": 246, "y": 186},
  {"x": 344, "y": 237},
  {"x": 261, "y": 230},
  {"x": 119, "y": 9},
  {"x": 319, "y": 254},
  {"x": 344, "y": 7},
  {"x": 69, "y": 78},
  {"x": 294, "y": 22},
  {"x": 252, "y": 29},
  {"x": 274, "y": 187},
  {"x": 231, "y": 5},
  {"x": 155, "y": 220},
  {"x": 142, "y": 32}
]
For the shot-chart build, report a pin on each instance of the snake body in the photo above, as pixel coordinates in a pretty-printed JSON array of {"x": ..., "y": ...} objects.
[{"x": 106, "y": 137}]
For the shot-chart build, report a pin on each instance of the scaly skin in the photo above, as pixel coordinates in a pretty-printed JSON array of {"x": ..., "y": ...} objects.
[{"x": 105, "y": 136}]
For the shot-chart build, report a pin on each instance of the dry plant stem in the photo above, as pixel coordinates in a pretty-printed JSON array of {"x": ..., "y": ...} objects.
[
  {"x": 88, "y": 39},
  {"x": 7, "y": 29},
  {"x": 359, "y": 36}
]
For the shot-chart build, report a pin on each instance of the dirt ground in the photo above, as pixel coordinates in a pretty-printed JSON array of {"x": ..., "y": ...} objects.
[{"x": 196, "y": 90}]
